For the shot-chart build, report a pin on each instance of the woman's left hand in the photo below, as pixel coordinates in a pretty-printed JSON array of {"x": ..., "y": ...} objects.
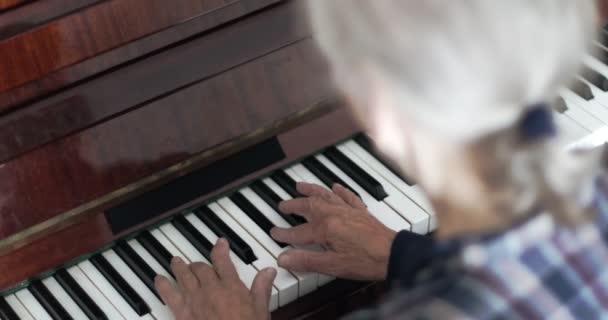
[{"x": 215, "y": 292}]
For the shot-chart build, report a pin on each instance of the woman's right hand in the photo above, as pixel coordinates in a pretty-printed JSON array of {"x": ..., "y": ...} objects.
[{"x": 357, "y": 244}]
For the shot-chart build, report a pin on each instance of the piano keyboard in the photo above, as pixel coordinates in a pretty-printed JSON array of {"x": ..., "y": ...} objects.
[{"x": 118, "y": 283}]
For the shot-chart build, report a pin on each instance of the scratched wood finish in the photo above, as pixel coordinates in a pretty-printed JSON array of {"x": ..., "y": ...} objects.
[
  {"x": 25, "y": 263},
  {"x": 56, "y": 80},
  {"x": 60, "y": 176},
  {"x": 97, "y": 29},
  {"x": 94, "y": 101},
  {"x": 36, "y": 13}
]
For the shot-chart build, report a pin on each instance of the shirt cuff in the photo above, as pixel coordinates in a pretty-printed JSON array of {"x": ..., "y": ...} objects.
[{"x": 409, "y": 253}]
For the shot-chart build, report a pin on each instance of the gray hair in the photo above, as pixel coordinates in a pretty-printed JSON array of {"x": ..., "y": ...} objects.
[{"x": 449, "y": 60}]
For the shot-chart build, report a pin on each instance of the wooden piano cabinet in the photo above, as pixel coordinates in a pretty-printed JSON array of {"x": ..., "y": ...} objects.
[
  {"x": 8, "y": 4},
  {"x": 84, "y": 43}
]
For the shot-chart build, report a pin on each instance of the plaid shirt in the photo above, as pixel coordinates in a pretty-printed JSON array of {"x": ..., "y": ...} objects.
[{"x": 535, "y": 270}]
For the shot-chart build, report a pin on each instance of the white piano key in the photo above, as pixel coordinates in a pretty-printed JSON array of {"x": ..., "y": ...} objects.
[
  {"x": 102, "y": 302},
  {"x": 412, "y": 192},
  {"x": 159, "y": 310},
  {"x": 378, "y": 209},
  {"x": 160, "y": 237},
  {"x": 64, "y": 299},
  {"x": 149, "y": 259},
  {"x": 18, "y": 307},
  {"x": 106, "y": 288},
  {"x": 285, "y": 282},
  {"x": 418, "y": 218},
  {"x": 307, "y": 280},
  {"x": 276, "y": 188},
  {"x": 181, "y": 243},
  {"x": 569, "y": 129},
  {"x": 246, "y": 272},
  {"x": 578, "y": 114},
  {"x": 32, "y": 305},
  {"x": 305, "y": 174},
  {"x": 592, "y": 107}
]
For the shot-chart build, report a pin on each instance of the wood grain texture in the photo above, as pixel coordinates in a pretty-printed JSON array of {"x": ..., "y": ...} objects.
[
  {"x": 36, "y": 13},
  {"x": 59, "y": 248},
  {"x": 89, "y": 32},
  {"x": 125, "y": 53},
  {"x": 81, "y": 167},
  {"x": 116, "y": 92},
  {"x": 9, "y": 4}
]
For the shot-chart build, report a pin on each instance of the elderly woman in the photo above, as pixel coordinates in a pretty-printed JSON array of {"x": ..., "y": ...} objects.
[{"x": 455, "y": 93}]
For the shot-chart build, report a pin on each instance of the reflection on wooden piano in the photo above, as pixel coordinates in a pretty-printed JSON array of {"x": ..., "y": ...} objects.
[{"x": 134, "y": 131}]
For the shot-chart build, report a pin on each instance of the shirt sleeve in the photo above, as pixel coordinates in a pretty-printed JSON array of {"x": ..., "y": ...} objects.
[{"x": 409, "y": 253}]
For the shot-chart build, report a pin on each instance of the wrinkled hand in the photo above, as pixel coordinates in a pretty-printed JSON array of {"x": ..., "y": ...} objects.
[
  {"x": 215, "y": 292},
  {"x": 358, "y": 245}
]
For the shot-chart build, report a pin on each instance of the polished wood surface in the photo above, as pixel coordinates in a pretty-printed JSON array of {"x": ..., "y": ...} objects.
[
  {"x": 8, "y": 4},
  {"x": 179, "y": 67},
  {"x": 103, "y": 36},
  {"x": 36, "y": 13}
]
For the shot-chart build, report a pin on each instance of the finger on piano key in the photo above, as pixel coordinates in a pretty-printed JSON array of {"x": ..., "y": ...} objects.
[
  {"x": 307, "y": 280},
  {"x": 64, "y": 298},
  {"x": 286, "y": 283},
  {"x": 264, "y": 192},
  {"x": 157, "y": 308},
  {"x": 18, "y": 307},
  {"x": 6, "y": 312},
  {"x": 120, "y": 285},
  {"x": 32, "y": 305},
  {"x": 80, "y": 297},
  {"x": 237, "y": 244},
  {"x": 287, "y": 180},
  {"x": 182, "y": 243},
  {"x": 418, "y": 218},
  {"x": 246, "y": 272},
  {"x": 356, "y": 173},
  {"x": 201, "y": 243},
  {"x": 138, "y": 265},
  {"x": 162, "y": 255},
  {"x": 412, "y": 192},
  {"x": 162, "y": 238},
  {"x": 48, "y": 301},
  {"x": 253, "y": 213},
  {"x": 378, "y": 209},
  {"x": 149, "y": 260},
  {"x": 110, "y": 292},
  {"x": 324, "y": 174}
]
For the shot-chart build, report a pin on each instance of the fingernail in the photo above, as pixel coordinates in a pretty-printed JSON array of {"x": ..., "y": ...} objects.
[
  {"x": 177, "y": 260},
  {"x": 221, "y": 241},
  {"x": 282, "y": 206},
  {"x": 271, "y": 272},
  {"x": 284, "y": 259}
]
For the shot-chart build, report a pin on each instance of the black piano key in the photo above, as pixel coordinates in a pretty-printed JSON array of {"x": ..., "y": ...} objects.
[
  {"x": 581, "y": 89},
  {"x": 254, "y": 214},
  {"x": 157, "y": 250},
  {"x": 273, "y": 200},
  {"x": 191, "y": 234},
  {"x": 560, "y": 105},
  {"x": 366, "y": 181},
  {"x": 238, "y": 245},
  {"x": 367, "y": 144},
  {"x": 48, "y": 301},
  {"x": 324, "y": 174},
  {"x": 6, "y": 312},
  {"x": 138, "y": 265},
  {"x": 286, "y": 182},
  {"x": 601, "y": 54},
  {"x": 120, "y": 284},
  {"x": 80, "y": 297},
  {"x": 603, "y": 37},
  {"x": 595, "y": 78}
]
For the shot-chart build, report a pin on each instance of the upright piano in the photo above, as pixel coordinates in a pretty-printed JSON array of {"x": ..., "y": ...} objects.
[{"x": 132, "y": 131}]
